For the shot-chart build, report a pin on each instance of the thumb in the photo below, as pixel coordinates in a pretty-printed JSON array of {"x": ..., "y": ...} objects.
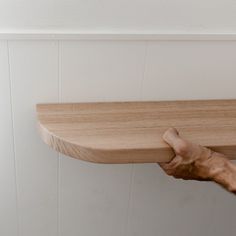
[
  {"x": 180, "y": 146},
  {"x": 171, "y": 136}
]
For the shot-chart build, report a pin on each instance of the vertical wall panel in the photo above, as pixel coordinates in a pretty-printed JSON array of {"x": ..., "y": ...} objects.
[
  {"x": 160, "y": 204},
  {"x": 8, "y": 208},
  {"x": 102, "y": 70},
  {"x": 190, "y": 70},
  {"x": 34, "y": 76},
  {"x": 94, "y": 199}
]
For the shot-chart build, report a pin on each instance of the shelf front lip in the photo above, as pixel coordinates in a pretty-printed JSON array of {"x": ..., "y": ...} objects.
[
  {"x": 117, "y": 156},
  {"x": 104, "y": 156}
]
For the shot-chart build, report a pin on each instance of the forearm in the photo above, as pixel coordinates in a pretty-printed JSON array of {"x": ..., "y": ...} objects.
[{"x": 223, "y": 172}]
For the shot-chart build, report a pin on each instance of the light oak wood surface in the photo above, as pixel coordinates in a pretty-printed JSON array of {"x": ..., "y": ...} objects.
[{"x": 131, "y": 132}]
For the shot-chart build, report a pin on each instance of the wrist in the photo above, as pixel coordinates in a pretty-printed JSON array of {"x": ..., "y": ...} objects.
[
  {"x": 223, "y": 172},
  {"x": 211, "y": 165}
]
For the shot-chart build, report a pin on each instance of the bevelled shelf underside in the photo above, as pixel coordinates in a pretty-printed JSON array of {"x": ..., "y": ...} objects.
[{"x": 131, "y": 132}]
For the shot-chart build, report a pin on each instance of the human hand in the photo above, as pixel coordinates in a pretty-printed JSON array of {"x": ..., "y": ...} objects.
[{"x": 192, "y": 161}]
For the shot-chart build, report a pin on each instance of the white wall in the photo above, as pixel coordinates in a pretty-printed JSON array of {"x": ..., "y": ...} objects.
[
  {"x": 119, "y": 15},
  {"x": 42, "y": 193}
]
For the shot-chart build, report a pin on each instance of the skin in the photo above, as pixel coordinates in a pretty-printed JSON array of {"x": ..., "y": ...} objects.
[{"x": 195, "y": 162}]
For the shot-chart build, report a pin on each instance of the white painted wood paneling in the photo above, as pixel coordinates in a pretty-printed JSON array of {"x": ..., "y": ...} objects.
[
  {"x": 102, "y": 71},
  {"x": 183, "y": 70},
  {"x": 162, "y": 205},
  {"x": 190, "y": 70},
  {"x": 8, "y": 197},
  {"x": 105, "y": 200},
  {"x": 94, "y": 198},
  {"x": 34, "y": 76}
]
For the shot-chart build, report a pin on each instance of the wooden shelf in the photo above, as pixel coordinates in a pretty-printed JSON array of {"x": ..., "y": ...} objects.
[{"x": 131, "y": 132}]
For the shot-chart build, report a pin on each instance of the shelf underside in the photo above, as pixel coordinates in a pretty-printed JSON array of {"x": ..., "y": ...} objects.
[{"x": 131, "y": 132}]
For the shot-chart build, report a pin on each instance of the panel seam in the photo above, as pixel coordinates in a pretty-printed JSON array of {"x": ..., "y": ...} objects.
[
  {"x": 13, "y": 138},
  {"x": 144, "y": 69},
  {"x": 130, "y": 198},
  {"x": 58, "y": 155}
]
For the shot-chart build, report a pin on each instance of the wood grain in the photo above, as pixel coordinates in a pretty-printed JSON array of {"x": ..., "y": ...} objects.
[{"x": 131, "y": 132}]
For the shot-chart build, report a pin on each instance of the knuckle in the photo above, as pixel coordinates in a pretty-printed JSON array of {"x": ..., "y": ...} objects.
[{"x": 181, "y": 148}]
